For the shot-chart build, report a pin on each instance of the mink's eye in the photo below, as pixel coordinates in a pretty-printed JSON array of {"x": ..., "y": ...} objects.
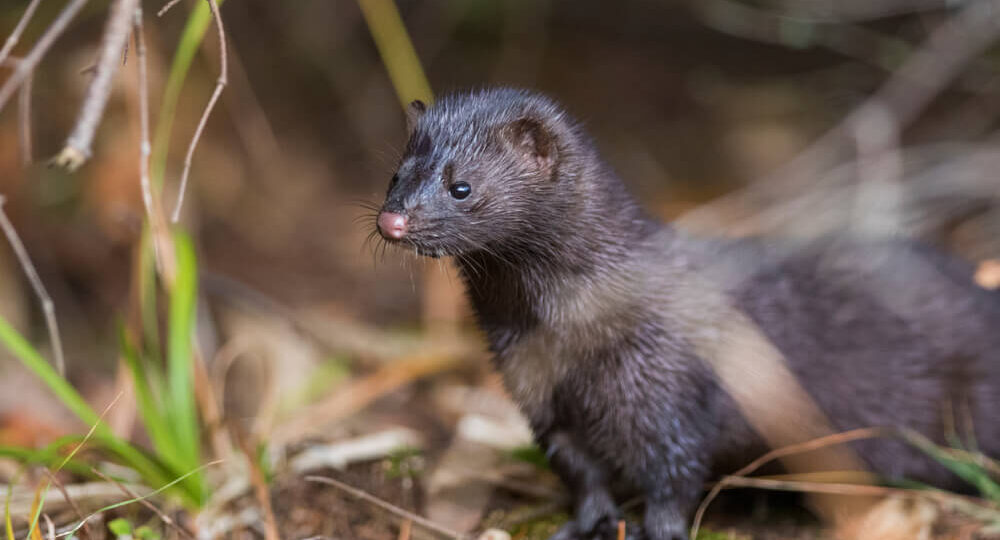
[
  {"x": 394, "y": 181},
  {"x": 460, "y": 190}
]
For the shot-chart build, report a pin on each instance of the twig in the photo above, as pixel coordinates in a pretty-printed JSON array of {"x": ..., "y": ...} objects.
[
  {"x": 878, "y": 202},
  {"x": 220, "y": 83},
  {"x": 166, "y": 7},
  {"x": 145, "y": 148},
  {"x": 69, "y": 500},
  {"x": 152, "y": 507},
  {"x": 423, "y": 522},
  {"x": 813, "y": 487},
  {"x": 24, "y": 111},
  {"x": 31, "y": 60},
  {"x": 48, "y": 308},
  {"x": 78, "y": 145},
  {"x": 259, "y": 488},
  {"x": 15, "y": 36},
  {"x": 621, "y": 529},
  {"x": 51, "y": 526},
  {"x": 807, "y": 446},
  {"x": 162, "y": 246},
  {"x": 24, "y": 120}
]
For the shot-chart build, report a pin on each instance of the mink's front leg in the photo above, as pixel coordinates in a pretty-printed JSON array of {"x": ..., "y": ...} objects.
[{"x": 595, "y": 512}]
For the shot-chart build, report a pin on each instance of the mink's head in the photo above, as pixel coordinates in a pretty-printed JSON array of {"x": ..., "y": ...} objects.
[{"x": 481, "y": 170}]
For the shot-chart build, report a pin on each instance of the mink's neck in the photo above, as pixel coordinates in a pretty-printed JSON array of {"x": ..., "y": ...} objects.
[{"x": 511, "y": 286}]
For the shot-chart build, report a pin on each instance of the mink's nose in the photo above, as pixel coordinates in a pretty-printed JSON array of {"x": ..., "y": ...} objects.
[{"x": 392, "y": 225}]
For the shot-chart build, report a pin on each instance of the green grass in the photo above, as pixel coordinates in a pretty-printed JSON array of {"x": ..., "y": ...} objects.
[
  {"x": 973, "y": 467},
  {"x": 170, "y": 419}
]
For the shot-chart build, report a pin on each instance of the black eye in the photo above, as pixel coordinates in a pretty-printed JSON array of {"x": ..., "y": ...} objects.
[
  {"x": 394, "y": 181},
  {"x": 460, "y": 190}
]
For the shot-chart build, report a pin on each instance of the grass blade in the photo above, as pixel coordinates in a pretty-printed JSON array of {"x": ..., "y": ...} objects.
[
  {"x": 194, "y": 473},
  {"x": 396, "y": 49},
  {"x": 147, "y": 295},
  {"x": 32, "y": 360},
  {"x": 965, "y": 469},
  {"x": 154, "y": 418},
  {"x": 180, "y": 375}
]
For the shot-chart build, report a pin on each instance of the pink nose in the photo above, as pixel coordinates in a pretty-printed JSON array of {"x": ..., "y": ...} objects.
[{"x": 392, "y": 225}]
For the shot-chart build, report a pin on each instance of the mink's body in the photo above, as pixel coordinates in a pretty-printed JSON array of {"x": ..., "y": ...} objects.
[{"x": 597, "y": 314}]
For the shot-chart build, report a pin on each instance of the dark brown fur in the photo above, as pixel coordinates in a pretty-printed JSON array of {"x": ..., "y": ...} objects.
[{"x": 594, "y": 310}]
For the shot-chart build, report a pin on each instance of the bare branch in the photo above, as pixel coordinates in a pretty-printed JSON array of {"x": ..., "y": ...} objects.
[
  {"x": 77, "y": 148},
  {"x": 129, "y": 492},
  {"x": 145, "y": 148},
  {"x": 24, "y": 120},
  {"x": 15, "y": 36},
  {"x": 162, "y": 246},
  {"x": 70, "y": 501},
  {"x": 878, "y": 204},
  {"x": 37, "y": 52},
  {"x": 51, "y": 527},
  {"x": 166, "y": 7},
  {"x": 219, "y": 85},
  {"x": 403, "y": 513},
  {"x": 24, "y": 112},
  {"x": 36, "y": 283},
  {"x": 797, "y": 448}
]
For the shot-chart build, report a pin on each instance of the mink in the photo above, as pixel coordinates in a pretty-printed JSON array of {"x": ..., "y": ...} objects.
[{"x": 593, "y": 312}]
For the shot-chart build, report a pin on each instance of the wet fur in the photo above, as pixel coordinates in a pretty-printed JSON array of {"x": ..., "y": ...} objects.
[{"x": 591, "y": 309}]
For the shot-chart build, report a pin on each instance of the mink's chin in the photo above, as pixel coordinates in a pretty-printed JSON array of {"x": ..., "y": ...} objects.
[
  {"x": 435, "y": 251},
  {"x": 425, "y": 249}
]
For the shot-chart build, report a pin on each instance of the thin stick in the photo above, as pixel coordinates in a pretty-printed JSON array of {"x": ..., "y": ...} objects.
[
  {"x": 29, "y": 62},
  {"x": 48, "y": 308},
  {"x": 621, "y": 529},
  {"x": 166, "y": 7},
  {"x": 162, "y": 246},
  {"x": 220, "y": 83},
  {"x": 812, "y": 487},
  {"x": 24, "y": 112},
  {"x": 260, "y": 490},
  {"x": 69, "y": 500},
  {"x": 51, "y": 526},
  {"x": 15, "y": 36},
  {"x": 152, "y": 507},
  {"x": 78, "y": 145},
  {"x": 807, "y": 446},
  {"x": 145, "y": 148},
  {"x": 423, "y": 522},
  {"x": 24, "y": 120}
]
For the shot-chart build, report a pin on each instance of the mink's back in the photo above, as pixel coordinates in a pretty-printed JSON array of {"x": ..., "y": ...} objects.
[{"x": 891, "y": 334}]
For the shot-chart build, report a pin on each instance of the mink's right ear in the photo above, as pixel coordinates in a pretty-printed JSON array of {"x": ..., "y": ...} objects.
[
  {"x": 532, "y": 140},
  {"x": 414, "y": 111}
]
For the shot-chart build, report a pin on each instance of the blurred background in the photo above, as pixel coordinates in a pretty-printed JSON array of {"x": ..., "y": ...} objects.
[{"x": 756, "y": 107}]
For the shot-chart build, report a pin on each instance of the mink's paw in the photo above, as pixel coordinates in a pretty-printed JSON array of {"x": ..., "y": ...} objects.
[{"x": 596, "y": 518}]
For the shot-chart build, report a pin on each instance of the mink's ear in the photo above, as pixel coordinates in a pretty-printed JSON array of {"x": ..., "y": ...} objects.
[
  {"x": 414, "y": 111},
  {"x": 532, "y": 140}
]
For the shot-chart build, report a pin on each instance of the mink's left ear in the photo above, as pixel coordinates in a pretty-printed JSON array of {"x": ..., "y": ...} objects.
[
  {"x": 414, "y": 111},
  {"x": 532, "y": 140}
]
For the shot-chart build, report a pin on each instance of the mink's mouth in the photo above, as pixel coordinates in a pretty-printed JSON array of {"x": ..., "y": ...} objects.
[{"x": 423, "y": 247}]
